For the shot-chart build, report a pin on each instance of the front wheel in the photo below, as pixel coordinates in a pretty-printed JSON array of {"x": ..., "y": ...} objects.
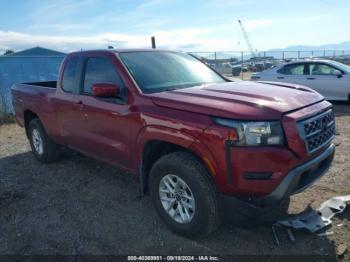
[
  {"x": 183, "y": 195},
  {"x": 44, "y": 149}
]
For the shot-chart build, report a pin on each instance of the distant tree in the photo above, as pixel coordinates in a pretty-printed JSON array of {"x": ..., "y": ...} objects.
[{"x": 8, "y": 52}]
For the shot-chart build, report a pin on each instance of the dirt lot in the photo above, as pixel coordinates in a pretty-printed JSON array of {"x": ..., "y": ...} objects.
[{"x": 81, "y": 206}]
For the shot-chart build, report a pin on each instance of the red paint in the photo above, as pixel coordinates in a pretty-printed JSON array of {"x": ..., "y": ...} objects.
[
  {"x": 117, "y": 133},
  {"x": 105, "y": 90}
]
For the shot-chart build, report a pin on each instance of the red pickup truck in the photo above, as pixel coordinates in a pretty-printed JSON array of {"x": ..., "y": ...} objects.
[{"x": 195, "y": 139}]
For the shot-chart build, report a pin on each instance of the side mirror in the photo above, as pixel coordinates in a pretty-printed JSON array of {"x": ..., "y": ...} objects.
[
  {"x": 337, "y": 73},
  {"x": 105, "y": 90}
]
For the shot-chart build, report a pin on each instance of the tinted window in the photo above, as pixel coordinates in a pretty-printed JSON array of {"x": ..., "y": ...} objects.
[
  {"x": 321, "y": 69},
  {"x": 341, "y": 66},
  {"x": 294, "y": 69},
  {"x": 69, "y": 74},
  {"x": 100, "y": 70},
  {"x": 156, "y": 71}
]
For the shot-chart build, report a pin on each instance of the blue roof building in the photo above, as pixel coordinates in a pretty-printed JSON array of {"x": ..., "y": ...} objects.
[{"x": 31, "y": 65}]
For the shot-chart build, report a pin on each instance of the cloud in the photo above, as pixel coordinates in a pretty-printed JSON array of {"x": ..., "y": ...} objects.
[
  {"x": 153, "y": 3},
  {"x": 228, "y": 3},
  {"x": 18, "y": 41},
  {"x": 51, "y": 11},
  {"x": 153, "y": 23},
  {"x": 60, "y": 26},
  {"x": 252, "y": 24},
  {"x": 173, "y": 39}
]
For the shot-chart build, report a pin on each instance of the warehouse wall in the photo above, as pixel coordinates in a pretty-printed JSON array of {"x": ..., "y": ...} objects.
[{"x": 20, "y": 69}]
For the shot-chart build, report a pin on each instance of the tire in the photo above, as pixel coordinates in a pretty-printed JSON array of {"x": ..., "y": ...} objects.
[
  {"x": 43, "y": 148},
  {"x": 185, "y": 170}
]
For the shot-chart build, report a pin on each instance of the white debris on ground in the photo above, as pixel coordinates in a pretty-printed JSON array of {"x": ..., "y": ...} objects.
[{"x": 317, "y": 219}]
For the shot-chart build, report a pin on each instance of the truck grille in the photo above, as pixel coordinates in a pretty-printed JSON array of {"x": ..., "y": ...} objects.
[{"x": 317, "y": 131}]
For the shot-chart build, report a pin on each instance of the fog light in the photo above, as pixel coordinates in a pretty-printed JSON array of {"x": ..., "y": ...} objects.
[{"x": 258, "y": 175}]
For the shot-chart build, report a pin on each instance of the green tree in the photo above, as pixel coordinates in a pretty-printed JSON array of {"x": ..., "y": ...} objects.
[{"x": 8, "y": 52}]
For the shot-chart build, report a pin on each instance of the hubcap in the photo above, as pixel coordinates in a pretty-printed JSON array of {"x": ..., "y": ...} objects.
[
  {"x": 177, "y": 198},
  {"x": 37, "y": 141}
]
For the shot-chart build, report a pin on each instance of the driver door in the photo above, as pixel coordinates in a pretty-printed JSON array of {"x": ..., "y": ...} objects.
[
  {"x": 323, "y": 79},
  {"x": 104, "y": 122}
]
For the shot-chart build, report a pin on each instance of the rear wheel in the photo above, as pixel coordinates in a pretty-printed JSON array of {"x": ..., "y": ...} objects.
[
  {"x": 183, "y": 195},
  {"x": 44, "y": 149}
]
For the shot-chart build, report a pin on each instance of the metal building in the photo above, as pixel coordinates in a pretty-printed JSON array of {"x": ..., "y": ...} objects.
[{"x": 31, "y": 65}]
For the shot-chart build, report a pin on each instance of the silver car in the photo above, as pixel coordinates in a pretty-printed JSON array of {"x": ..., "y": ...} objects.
[{"x": 329, "y": 78}]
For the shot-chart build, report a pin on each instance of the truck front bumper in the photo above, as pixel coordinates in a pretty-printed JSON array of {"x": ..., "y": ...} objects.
[{"x": 298, "y": 179}]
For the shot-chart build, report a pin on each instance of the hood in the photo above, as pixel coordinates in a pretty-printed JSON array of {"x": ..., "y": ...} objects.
[{"x": 239, "y": 100}]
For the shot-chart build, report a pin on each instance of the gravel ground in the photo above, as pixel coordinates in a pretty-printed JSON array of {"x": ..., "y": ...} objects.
[{"x": 81, "y": 206}]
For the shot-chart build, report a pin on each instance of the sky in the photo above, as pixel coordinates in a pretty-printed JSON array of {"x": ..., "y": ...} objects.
[{"x": 192, "y": 25}]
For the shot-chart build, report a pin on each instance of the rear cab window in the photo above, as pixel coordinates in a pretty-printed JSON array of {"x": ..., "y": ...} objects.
[{"x": 69, "y": 75}]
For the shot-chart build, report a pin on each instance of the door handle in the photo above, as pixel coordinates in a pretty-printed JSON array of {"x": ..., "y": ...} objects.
[
  {"x": 311, "y": 78},
  {"x": 280, "y": 77},
  {"x": 80, "y": 105}
]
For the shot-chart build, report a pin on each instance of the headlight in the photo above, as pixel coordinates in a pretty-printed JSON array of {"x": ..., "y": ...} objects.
[{"x": 255, "y": 133}]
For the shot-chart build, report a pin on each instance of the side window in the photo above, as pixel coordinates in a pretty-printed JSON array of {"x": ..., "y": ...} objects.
[
  {"x": 294, "y": 69},
  {"x": 321, "y": 69},
  {"x": 69, "y": 75},
  {"x": 101, "y": 70}
]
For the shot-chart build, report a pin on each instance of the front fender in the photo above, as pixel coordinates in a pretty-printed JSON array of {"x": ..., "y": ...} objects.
[
  {"x": 162, "y": 133},
  {"x": 177, "y": 137}
]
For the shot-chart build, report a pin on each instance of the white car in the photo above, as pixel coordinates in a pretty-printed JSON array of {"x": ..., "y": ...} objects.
[
  {"x": 329, "y": 78},
  {"x": 224, "y": 68}
]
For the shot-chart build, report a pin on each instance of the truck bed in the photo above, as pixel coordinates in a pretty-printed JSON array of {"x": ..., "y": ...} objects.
[
  {"x": 31, "y": 96},
  {"x": 50, "y": 84}
]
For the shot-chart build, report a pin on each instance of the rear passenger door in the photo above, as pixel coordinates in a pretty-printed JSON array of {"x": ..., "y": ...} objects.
[
  {"x": 66, "y": 102},
  {"x": 295, "y": 73},
  {"x": 104, "y": 122}
]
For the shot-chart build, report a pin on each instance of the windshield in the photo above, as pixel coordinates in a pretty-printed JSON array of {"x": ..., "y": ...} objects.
[
  {"x": 164, "y": 71},
  {"x": 342, "y": 66}
]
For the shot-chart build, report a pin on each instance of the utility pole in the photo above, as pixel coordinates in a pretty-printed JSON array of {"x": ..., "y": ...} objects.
[{"x": 153, "y": 40}]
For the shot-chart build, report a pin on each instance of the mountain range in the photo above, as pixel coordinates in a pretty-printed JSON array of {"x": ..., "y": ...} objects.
[
  {"x": 277, "y": 52},
  {"x": 339, "y": 46}
]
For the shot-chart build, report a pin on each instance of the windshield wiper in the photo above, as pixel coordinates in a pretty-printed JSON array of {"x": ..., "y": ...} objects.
[{"x": 170, "y": 89}]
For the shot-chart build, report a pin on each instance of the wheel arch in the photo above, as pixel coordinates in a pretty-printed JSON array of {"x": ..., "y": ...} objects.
[
  {"x": 153, "y": 147},
  {"x": 29, "y": 116}
]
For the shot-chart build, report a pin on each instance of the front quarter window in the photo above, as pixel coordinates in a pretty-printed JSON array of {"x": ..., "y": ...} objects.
[
  {"x": 100, "y": 70},
  {"x": 321, "y": 69},
  {"x": 156, "y": 71}
]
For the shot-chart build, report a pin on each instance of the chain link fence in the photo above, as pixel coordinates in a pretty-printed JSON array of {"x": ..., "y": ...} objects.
[{"x": 242, "y": 64}]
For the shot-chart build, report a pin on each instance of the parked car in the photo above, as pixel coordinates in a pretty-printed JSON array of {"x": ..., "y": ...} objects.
[
  {"x": 196, "y": 140},
  {"x": 223, "y": 68},
  {"x": 329, "y": 78}
]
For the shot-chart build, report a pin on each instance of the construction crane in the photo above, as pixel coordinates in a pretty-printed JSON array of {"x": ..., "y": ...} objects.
[{"x": 249, "y": 44}]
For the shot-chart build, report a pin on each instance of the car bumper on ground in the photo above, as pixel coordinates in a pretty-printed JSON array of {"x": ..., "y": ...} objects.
[{"x": 298, "y": 179}]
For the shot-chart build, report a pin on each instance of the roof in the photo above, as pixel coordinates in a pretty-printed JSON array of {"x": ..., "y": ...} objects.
[
  {"x": 126, "y": 50},
  {"x": 310, "y": 61},
  {"x": 38, "y": 51}
]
